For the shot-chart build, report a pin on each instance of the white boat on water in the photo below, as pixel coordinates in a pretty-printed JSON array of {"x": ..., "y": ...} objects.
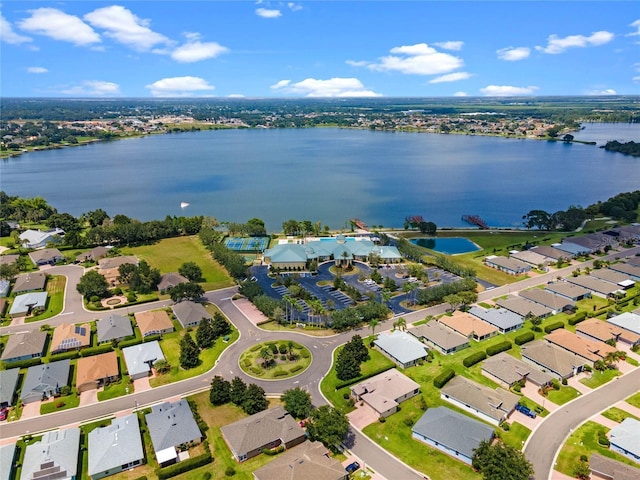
[{"x": 184, "y": 204}]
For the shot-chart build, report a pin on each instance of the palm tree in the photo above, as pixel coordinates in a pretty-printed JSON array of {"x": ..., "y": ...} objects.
[
  {"x": 373, "y": 323},
  {"x": 401, "y": 323},
  {"x": 385, "y": 296},
  {"x": 409, "y": 288},
  {"x": 266, "y": 355}
]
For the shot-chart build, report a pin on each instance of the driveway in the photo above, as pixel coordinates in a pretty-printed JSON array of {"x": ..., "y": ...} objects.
[
  {"x": 89, "y": 397},
  {"x": 362, "y": 416},
  {"x": 531, "y": 391},
  {"x": 31, "y": 410}
]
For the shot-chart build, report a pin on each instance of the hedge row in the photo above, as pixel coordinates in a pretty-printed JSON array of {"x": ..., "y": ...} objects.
[
  {"x": 474, "y": 358},
  {"x": 64, "y": 355},
  {"x": 442, "y": 379},
  {"x": 353, "y": 381},
  {"x": 22, "y": 363},
  {"x": 87, "y": 352},
  {"x": 498, "y": 347},
  {"x": 185, "y": 465},
  {"x": 297, "y": 368},
  {"x": 129, "y": 343},
  {"x": 577, "y": 318},
  {"x": 524, "y": 338},
  {"x": 553, "y": 326}
]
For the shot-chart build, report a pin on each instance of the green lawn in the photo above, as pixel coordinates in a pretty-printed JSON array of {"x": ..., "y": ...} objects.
[
  {"x": 617, "y": 414},
  {"x": 55, "y": 303},
  {"x": 60, "y": 403},
  {"x": 280, "y": 365},
  {"x": 516, "y": 436},
  {"x": 170, "y": 345},
  {"x": 117, "y": 389},
  {"x": 562, "y": 396},
  {"x": 600, "y": 378},
  {"x": 634, "y": 400},
  {"x": 169, "y": 254}
]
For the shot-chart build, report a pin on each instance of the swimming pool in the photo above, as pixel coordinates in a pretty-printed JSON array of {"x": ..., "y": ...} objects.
[{"x": 448, "y": 246}]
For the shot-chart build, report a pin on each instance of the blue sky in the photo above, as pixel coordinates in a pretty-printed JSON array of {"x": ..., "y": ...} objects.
[{"x": 319, "y": 48}]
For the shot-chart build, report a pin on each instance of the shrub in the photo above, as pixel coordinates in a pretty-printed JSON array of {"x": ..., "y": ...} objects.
[
  {"x": 297, "y": 368},
  {"x": 505, "y": 426},
  {"x": 279, "y": 373},
  {"x": 536, "y": 328},
  {"x": 588, "y": 368},
  {"x": 346, "y": 395},
  {"x": 382, "y": 419},
  {"x": 87, "y": 352},
  {"x": 22, "y": 363},
  {"x": 474, "y": 358},
  {"x": 498, "y": 347},
  {"x": 442, "y": 379},
  {"x": 351, "y": 381},
  {"x": 408, "y": 422},
  {"x": 131, "y": 297},
  {"x": 577, "y": 318},
  {"x": 185, "y": 466},
  {"x": 273, "y": 451},
  {"x": 555, "y": 384},
  {"x": 304, "y": 353},
  {"x": 230, "y": 472},
  {"x": 564, "y": 381},
  {"x": 553, "y": 326},
  {"x": 524, "y": 338}
]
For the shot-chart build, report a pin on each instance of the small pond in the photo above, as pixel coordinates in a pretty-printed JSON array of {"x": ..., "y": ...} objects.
[{"x": 448, "y": 246}]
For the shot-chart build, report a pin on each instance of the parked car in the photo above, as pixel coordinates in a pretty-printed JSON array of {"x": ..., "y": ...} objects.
[
  {"x": 4, "y": 413},
  {"x": 352, "y": 467}
]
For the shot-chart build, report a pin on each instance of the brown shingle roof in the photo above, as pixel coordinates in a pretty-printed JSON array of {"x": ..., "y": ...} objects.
[
  {"x": 68, "y": 336},
  {"x": 604, "y": 331},
  {"x": 309, "y": 461},
  {"x": 96, "y": 367},
  {"x": 151, "y": 321},
  {"x": 466, "y": 324},
  {"x": 591, "y": 350}
]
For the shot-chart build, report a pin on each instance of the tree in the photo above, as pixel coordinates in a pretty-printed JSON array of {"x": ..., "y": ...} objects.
[
  {"x": 256, "y": 228},
  {"x": 8, "y": 271},
  {"x": 255, "y": 400},
  {"x": 501, "y": 462},
  {"x": 327, "y": 425},
  {"x": 373, "y": 323},
  {"x": 454, "y": 300},
  {"x": 347, "y": 365},
  {"x": 219, "y": 394},
  {"x": 428, "y": 228},
  {"x": 538, "y": 219},
  {"x": 265, "y": 355},
  {"x": 186, "y": 291},
  {"x": 401, "y": 324},
  {"x": 205, "y": 335},
  {"x": 189, "y": 352},
  {"x": 297, "y": 402},
  {"x": 358, "y": 348},
  {"x": 191, "y": 271},
  {"x": 238, "y": 389},
  {"x": 220, "y": 325},
  {"x": 95, "y": 218},
  {"x": 92, "y": 284}
]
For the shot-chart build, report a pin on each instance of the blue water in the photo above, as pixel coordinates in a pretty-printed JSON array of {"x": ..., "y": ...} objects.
[
  {"x": 448, "y": 246},
  {"x": 325, "y": 174}
]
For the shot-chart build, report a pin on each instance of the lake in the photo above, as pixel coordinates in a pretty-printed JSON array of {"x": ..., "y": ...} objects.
[
  {"x": 325, "y": 174},
  {"x": 447, "y": 245}
]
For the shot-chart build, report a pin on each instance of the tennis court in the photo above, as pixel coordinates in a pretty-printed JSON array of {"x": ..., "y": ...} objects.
[{"x": 247, "y": 244}]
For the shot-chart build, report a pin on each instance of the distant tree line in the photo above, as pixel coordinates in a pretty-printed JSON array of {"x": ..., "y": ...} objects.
[{"x": 629, "y": 148}]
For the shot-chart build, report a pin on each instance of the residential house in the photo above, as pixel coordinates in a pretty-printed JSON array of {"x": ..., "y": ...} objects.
[
  {"x": 267, "y": 429},
  {"x": 628, "y": 269},
  {"x": 172, "y": 426},
  {"x": 48, "y": 256},
  {"x": 532, "y": 257},
  {"x": 9, "y": 259},
  {"x": 92, "y": 255},
  {"x": 605, "y": 468},
  {"x": 27, "y": 304},
  {"x": 506, "y": 370},
  {"x": 189, "y": 313},
  {"x": 45, "y": 381},
  {"x": 140, "y": 358},
  {"x": 440, "y": 337},
  {"x": 170, "y": 280},
  {"x": 551, "y": 252},
  {"x": 501, "y": 318},
  {"x": 308, "y": 461},
  {"x": 469, "y": 325},
  {"x": 29, "y": 282},
  {"x": 550, "y": 358},
  {"x": 114, "y": 327},
  {"x": 115, "y": 448},
  {"x": 3, "y": 306},
  {"x": 7, "y": 456},
  {"x": 23, "y": 346},
  {"x": 404, "y": 349},
  {"x": 523, "y": 307},
  {"x": 109, "y": 267},
  {"x": 385, "y": 391},
  {"x": 33, "y": 239},
  {"x": 568, "y": 290},
  {"x": 493, "y": 406},
  {"x": 598, "y": 287},
  {"x": 548, "y": 299},
  {"x": 572, "y": 249},
  {"x": 589, "y": 350},
  {"x": 55, "y": 456},
  {"x": 623, "y": 281},
  {"x": 5, "y": 286},
  {"x": 507, "y": 265},
  {"x": 604, "y": 331},
  {"x": 8, "y": 384},
  {"x": 154, "y": 322},
  {"x": 96, "y": 371},
  {"x": 69, "y": 336},
  {"x": 629, "y": 322},
  {"x": 625, "y": 439},
  {"x": 451, "y": 432}
]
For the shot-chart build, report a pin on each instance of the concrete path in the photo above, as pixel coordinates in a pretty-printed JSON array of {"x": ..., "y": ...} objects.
[
  {"x": 575, "y": 382},
  {"x": 89, "y": 397},
  {"x": 531, "y": 391},
  {"x": 604, "y": 421},
  {"x": 627, "y": 407}
]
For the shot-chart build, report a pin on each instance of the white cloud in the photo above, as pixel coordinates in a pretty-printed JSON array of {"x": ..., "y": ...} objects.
[
  {"x": 268, "y": 13},
  {"x": 506, "y": 90},
  {"x": 451, "y": 77},
  {"x": 460, "y": 94},
  {"x": 93, "y": 88},
  {"x": 37, "y": 70},
  {"x": 58, "y": 25},
  {"x": 635, "y": 25},
  {"x": 333, "y": 87},
  {"x": 7, "y": 34},
  {"x": 606, "y": 91},
  {"x": 123, "y": 26},
  {"x": 419, "y": 59},
  {"x": 354, "y": 63},
  {"x": 235, "y": 95},
  {"x": 179, "y": 87},
  {"x": 457, "y": 45},
  {"x": 559, "y": 45},
  {"x": 636, "y": 79},
  {"x": 194, "y": 51},
  {"x": 294, "y": 7},
  {"x": 513, "y": 54}
]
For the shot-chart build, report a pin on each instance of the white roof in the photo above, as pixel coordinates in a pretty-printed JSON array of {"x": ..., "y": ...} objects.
[
  {"x": 402, "y": 346},
  {"x": 22, "y": 303},
  {"x": 139, "y": 356}
]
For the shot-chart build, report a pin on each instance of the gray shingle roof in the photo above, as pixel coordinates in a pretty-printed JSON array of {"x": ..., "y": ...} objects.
[
  {"x": 509, "y": 369},
  {"x": 493, "y": 403},
  {"x": 172, "y": 424},
  {"x": 554, "y": 359},
  {"x": 546, "y": 298},
  {"x": 189, "y": 313},
  {"x": 453, "y": 430},
  {"x": 7, "y": 453},
  {"x": 308, "y": 461},
  {"x": 439, "y": 335},
  {"x": 8, "y": 382},
  {"x": 29, "y": 281},
  {"x": 28, "y": 302},
  {"x": 115, "y": 445},
  {"x": 59, "y": 447},
  {"x": 498, "y": 317},
  {"x": 627, "y": 436},
  {"x": 45, "y": 377},
  {"x": 261, "y": 429},
  {"x": 524, "y": 307},
  {"x": 137, "y": 357},
  {"x": 112, "y": 327},
  {"x": 24, "y": 344}
]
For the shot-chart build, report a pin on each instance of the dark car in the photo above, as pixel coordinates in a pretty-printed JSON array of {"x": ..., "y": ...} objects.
[{"x": 352, "y": 467}]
